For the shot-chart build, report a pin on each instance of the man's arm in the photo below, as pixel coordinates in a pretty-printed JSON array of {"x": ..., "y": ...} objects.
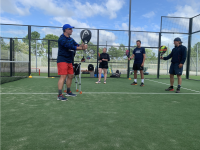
[
  {"x": 107, "y": 59},
  {"x": 168, "y": 57},
  {"x": 144, "y": 56},
  {"x": 183, "y": 57},
  {"x": 131, "y": 57}
]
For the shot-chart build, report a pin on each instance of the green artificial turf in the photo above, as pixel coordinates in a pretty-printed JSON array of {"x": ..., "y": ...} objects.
[{"x": 109, "y": 116}]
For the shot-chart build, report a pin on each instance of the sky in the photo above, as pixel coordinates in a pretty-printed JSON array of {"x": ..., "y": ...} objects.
[{"x": 97, "y": 14}]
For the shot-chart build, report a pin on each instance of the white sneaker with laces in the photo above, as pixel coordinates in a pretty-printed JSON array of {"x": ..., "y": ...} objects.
[{"x": 98, "y": 82}]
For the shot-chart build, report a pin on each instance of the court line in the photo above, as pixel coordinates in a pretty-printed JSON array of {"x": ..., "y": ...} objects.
[
  {"x": 174, "y": 86},
  {"x": 130, "y": 93}
]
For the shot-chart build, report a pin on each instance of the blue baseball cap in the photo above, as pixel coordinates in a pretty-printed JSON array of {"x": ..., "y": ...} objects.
[
  {"x": 67, "y": 26},
  {"x": 178, "y": 39}
]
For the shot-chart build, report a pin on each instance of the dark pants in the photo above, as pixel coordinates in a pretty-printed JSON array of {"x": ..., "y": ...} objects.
[{"x": 174, "y": 69}]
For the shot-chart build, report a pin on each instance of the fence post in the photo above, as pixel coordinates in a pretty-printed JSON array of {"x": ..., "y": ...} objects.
[
  {"x": 48, "y": 58},
  {"x": 129, "y": 40},
  {"x": 189, "y": 48},
  {"x": 29, "y": 38},
  {"x": 11, "y": 57},
  {"x": 158, "y": 68},
  {"x": 97, "y": 53},
  {"x": 197, "y": 61}
]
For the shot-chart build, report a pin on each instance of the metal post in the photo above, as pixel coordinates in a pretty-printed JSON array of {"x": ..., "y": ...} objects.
[
  {"x": 29, "y": 38},
  {"x": 189, "y": 49},
  {"x": 36, "y": 55},
  {"x": 158, "y": 68},
  {"x": 168, "y": 59},
  {"x": 197, "y": 61},
  {"x": 11, "y": 48},
  {"x": 97, "y": 53},
  {"x": 48, "y": 58},
  {"x": 129, "y": 40}
]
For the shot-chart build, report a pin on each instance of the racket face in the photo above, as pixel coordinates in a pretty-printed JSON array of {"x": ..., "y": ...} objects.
[
  {"x": 86, "y": 36},
  {"x": 162, "y": 49},
  {"x": 127, "y": 53}
]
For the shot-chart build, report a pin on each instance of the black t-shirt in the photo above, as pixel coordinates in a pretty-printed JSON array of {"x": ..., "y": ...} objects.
[{"x": 104, "y": 56}]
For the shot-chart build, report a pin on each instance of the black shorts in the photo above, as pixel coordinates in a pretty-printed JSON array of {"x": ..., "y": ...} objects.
[
  {"x": 138, "y": 67},
  {"x": 174, "y": 69},
  {"x": 103, "y": 66}
]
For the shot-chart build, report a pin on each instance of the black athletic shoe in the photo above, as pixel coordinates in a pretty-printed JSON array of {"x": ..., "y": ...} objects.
[
  {"x": 169, "y": 89},
  {"x": 142, "y": 84},
  {"x": 178, "y": 90},
  {"x": 134, "y": 83}
]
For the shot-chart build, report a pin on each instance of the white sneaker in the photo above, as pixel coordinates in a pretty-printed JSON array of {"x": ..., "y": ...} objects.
[
  {"x": 98, "y": 82},
  {"x": 104, "y": 82}
]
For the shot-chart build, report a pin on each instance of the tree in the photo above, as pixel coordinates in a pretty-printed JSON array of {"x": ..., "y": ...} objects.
[
  {"x": 34, "y": 35},
  {"x": 53, "y": 44},
  {"x": 5, "y": 49}
]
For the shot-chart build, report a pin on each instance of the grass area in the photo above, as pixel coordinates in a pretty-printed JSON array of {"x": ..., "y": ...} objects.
[{"x": 125, "y": 119}]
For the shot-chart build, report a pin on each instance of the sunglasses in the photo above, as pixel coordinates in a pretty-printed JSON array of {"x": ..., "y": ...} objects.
[{"x": 69, "y": 29}]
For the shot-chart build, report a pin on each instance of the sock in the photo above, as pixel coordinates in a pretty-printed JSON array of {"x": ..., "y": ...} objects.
[
  {"x": 135, "y": 80},
  {"x": 171, "y": 87},
  {"x": 142, "y": 80},
  {"x": 179, "y": 86},
  {"x": 59, "y": 92},
  {"x": 68, "y": 90}
]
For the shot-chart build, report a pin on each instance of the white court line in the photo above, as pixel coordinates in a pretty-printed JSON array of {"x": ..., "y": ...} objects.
[
  {"x": 174, "y": 86},
  {"x": 131, "y": 93}
]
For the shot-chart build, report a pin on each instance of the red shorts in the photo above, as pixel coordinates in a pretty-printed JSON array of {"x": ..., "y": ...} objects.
[{"x": 65, "y": 68}]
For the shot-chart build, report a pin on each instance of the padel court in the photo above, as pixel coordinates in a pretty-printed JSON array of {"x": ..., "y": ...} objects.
[{"x": 115, "y": 115}]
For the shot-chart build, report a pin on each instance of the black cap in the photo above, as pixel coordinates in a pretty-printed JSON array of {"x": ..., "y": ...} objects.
[{"x": 178, "y": 39}]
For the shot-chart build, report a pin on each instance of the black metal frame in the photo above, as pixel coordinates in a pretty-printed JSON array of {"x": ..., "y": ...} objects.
[{"x": 98, "y": 30}]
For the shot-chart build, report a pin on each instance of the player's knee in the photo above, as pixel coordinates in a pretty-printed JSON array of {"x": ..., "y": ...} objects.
[
  {"x": 70, "y": 76},
  {"x": 63, "y": 77}
]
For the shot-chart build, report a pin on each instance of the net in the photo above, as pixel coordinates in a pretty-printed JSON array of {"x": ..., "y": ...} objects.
[
  {"x": 13, "y": 70},
  {"x": 171, "y": 24}
]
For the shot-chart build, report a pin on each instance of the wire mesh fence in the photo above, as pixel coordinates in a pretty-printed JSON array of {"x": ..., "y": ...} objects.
[{"x": 116, "y": 42}]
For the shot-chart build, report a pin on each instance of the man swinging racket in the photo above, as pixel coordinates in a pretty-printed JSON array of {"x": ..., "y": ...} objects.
[
  {"x": 178, "y": 56},
  {"x": 66, "y": 49},
  {"x": 139, "y": 54}
]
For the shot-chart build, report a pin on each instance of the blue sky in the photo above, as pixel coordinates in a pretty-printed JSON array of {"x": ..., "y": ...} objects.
[
  {"x": 99, "y": 14},
  {"x": 103, "y": 14}
]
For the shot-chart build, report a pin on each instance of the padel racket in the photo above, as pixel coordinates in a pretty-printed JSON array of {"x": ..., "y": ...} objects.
[
  {"x": 127, "y": 53},
  {"x": 85, "y": 36},
  {"x": 162, "y": 50}
]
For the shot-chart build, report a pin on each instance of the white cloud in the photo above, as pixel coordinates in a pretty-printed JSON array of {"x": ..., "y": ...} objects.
[
  {"x": 9, "y": 21},
  {"x": 149, "y": 14},
  {"x": 124, "y": 26},
  {"x": 73, "y": 22},
  {"x": 74, "y": 8},
  {"x": 186, "y": 11},
  {"x": 10, "y": 6},
  {"x": 113, "y": 6}
]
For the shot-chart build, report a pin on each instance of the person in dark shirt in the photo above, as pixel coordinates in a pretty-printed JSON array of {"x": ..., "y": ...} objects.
[
  {"x": 178, "y": 56},
  {"x": 139, "y": 54},
  {"x": 104, "y": 58},
  {"x": 66, "y": 49}
]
